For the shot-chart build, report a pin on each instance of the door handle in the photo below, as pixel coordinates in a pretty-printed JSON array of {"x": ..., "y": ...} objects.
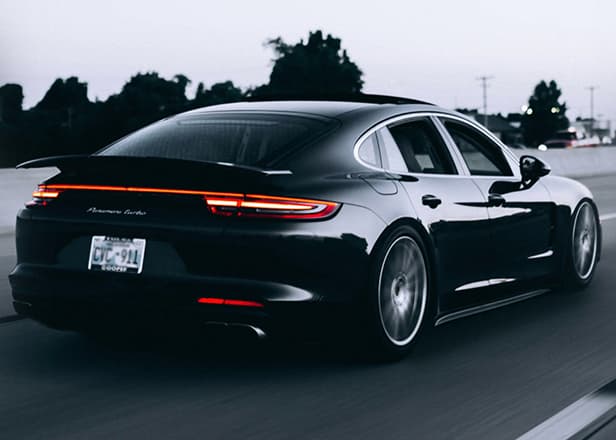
[
  {"x": 431, "y": 201},
  {"x": 496, "y": 200}
]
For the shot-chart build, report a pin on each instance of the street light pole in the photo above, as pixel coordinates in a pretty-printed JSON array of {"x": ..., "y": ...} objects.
[
  {"x": 592, "y": 108},
  {"x": 484, "y": 85}
]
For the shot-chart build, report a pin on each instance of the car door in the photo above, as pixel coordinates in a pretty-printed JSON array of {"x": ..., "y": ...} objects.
[
  {"x": 449, "y": 205},
  {"x": 521, "y": 218}
]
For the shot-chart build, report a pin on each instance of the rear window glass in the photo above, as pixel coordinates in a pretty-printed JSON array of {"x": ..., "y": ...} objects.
[{"x": 237, "y": 138}]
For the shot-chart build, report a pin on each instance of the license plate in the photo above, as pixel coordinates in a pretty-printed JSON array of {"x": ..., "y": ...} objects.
[{"x": 113, "y": 254}]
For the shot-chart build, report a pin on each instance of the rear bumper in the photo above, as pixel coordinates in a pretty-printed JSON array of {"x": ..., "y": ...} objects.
[
  {"x": 302, "y": 272},
  {"x": 72, "y": 299}
]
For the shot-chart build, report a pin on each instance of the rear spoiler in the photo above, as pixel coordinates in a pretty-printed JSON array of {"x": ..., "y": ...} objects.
[
  {"x": 76, "y": 161},
  {"x": 52, "y": 161}
]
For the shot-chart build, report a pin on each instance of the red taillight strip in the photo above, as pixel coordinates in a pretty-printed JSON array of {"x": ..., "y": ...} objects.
[
  {"x": 220, "y": 203},
  {"x": 229, "y": 302},
  {"x": 275, "y": 205},
  {"x": 254, "y": 205},
  {"x": 137, "y": 189}
]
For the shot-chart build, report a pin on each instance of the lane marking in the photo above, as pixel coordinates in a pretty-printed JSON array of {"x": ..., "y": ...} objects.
[
  {"x": 610, "y": 216},
  {"x": 580, "y": 419}
]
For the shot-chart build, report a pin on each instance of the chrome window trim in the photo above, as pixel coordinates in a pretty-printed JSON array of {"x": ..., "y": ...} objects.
[{"x": 461, "y": 169}]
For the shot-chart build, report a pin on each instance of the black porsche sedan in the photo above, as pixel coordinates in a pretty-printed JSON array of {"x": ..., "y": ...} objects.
[{"x": 380, "y": 215}]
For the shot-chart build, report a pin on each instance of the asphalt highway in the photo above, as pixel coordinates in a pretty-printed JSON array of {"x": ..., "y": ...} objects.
[{"x": 491, "y": 376}]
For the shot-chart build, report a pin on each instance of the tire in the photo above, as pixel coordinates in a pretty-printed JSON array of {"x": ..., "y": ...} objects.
[
  {"x": 582, "y": 247},
  {"x": 398, "y": 303}
]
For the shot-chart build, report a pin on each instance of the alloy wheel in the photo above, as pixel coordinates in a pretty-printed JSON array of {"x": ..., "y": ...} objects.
[
  {"x": 584, "y": 241},
  {"x": 403, "y": 290}
]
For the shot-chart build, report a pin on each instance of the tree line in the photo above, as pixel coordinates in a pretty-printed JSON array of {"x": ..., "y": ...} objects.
[{"x": 65, "y": 121}]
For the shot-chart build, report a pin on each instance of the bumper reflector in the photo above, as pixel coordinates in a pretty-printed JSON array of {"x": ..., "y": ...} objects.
[{"x": 229, "y": 302}]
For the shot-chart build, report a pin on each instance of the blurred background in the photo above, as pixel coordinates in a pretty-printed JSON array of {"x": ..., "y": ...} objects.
[{"x": 77, "y": 75}]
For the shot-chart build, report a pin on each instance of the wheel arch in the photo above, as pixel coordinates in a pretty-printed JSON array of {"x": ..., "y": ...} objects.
[{"x": 564, "y": 235}]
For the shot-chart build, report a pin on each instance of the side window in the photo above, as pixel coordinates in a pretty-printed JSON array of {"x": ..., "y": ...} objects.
[
  {"x": 392, "y": 158},
  {"x": 369, "y": 151},
  {"x": 482, "y": 157},
  {"x": 422, "y": 148}
]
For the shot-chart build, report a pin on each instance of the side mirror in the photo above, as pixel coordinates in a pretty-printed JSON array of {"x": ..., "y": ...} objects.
[{"x": 532, "y": 168}]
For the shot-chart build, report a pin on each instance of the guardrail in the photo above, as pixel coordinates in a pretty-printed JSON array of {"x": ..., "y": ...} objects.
[{"x": 16, "y": 186}]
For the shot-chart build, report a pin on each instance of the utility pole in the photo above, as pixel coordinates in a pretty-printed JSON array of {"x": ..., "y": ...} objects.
[
  {"x": 484, "y": 85},
  {"x": 592, "y": 108}
]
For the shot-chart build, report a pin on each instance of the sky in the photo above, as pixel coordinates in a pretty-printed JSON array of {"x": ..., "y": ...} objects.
[{"x": 430, "y": 50}]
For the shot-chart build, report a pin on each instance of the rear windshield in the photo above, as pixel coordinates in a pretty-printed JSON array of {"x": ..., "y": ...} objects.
[{"x": 238, "y": 138}]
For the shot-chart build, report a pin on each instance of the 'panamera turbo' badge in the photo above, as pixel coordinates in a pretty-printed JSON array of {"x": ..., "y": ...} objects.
[{"x": 95, "y": 210}]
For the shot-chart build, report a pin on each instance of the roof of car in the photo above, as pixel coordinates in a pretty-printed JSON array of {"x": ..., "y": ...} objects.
[{"x": 327, "y": 106}]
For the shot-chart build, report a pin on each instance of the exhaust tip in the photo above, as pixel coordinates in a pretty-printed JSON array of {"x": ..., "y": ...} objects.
[{"x": 257, "y": 331}]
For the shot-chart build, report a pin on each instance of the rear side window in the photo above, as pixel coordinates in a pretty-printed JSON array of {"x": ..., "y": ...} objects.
[
  {"x": 392, "y": 158},
  {"x": 238, "y": 138},
  {"x": 422, "y": 148},
  {"x": 369, "y": 151},
  {"x": 482, "y": 156}
]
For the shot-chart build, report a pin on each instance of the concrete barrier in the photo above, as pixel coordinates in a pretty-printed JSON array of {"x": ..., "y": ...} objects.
[
  {"x": 579, "y": 162},
  {"x": 16, "y": 186}
]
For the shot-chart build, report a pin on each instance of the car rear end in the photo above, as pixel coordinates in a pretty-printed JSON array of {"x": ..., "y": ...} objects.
[{"x": 199, "y": 226}]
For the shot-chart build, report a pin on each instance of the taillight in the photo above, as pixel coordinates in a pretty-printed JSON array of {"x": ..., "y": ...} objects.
[
  {"x": 219, "y": 203},
  {"x": 250, "y": 205},
  {"x": 42, "y": 195}
]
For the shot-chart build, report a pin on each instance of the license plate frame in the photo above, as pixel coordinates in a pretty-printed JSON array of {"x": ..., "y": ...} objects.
[{"x": 106, "y": 254}]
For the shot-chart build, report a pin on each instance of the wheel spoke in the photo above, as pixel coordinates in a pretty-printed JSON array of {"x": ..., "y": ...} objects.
[
  {"x": 586, "y": 216},
  {"x": 583, "y": 259},
  {"x": 389, "y": 311}
]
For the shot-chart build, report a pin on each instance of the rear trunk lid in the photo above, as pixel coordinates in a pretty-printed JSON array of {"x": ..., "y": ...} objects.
[{"x": 148, "y": 189}]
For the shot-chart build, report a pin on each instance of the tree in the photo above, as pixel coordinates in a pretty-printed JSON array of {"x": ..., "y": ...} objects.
[
  {"x": 64, "y": 94},
  {"x": 317, "y": 67},
  {"x": 219, "y": 93},
  {"x": 145, "y": 98},
  {"x": 147, "y": 95},
  {"x": 11, "y": 100},
  {"x": 544, "y": 115}
]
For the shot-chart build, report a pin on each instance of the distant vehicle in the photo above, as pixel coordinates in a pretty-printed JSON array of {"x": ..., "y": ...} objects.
[
  {"x": 373, "y": 219},
  {"x": 571, "y": 138}
]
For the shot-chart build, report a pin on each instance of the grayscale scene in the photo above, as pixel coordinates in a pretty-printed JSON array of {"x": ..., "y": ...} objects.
[{"x": 318, "y": 220}]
